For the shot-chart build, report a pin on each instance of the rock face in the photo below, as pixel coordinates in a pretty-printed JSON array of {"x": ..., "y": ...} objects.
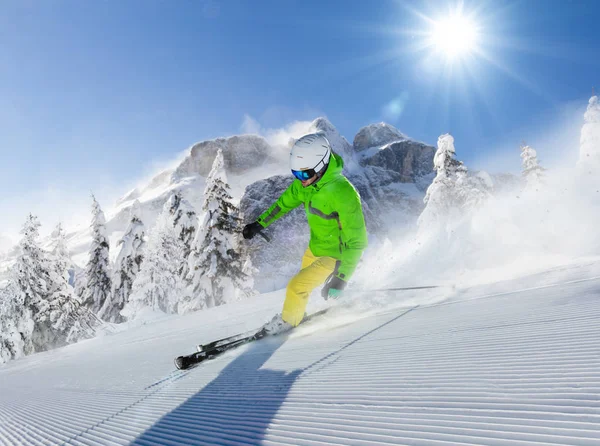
[
  {"x": 240, "y": 153},
  {"x": 376, "y": 135},
  {"x": 384, "y": 195},
  {"x": 410, "y": 159}
]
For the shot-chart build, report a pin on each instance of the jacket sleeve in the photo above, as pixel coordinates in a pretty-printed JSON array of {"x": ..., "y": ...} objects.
[
  {"x": 354, "y": 236},
  {"x": 289, "y": 200}
]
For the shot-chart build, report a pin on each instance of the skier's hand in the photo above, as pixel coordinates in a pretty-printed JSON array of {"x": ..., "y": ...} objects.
[
  {"x": 250, "y": 230},
  {"x": 333, "y": 288}
]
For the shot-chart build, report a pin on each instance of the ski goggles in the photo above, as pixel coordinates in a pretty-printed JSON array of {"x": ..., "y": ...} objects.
[
  {"x": 307, "y": 174},
  {"x": 304, "y": 175}
]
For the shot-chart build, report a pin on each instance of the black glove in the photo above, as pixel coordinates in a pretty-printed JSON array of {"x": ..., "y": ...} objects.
[
  {"x": 250, "y": 230},
  {"x": 333, "y": 283}
]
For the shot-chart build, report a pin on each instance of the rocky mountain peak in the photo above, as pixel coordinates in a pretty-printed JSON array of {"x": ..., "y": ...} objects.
[
  {"x": 377, "y": 135},
  {"x": 240, "y": 152}
]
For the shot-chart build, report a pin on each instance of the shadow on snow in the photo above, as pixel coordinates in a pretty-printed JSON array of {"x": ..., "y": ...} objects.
[
  {"x": 238, "y": 406},
  {"x": 235, "y": 408}
]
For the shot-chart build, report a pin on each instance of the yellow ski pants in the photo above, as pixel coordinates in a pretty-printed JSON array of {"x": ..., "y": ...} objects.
[{"x": 314, "y": 272}]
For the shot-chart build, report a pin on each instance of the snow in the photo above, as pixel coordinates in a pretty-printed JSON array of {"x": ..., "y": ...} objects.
[
  {"x": 532, "y": 171},
  {"x": 589, "y": 154},
  {"x": 507, "y": 363},
  {"x": 6, "y": 243},
  {"x": 369, "y": 152}
]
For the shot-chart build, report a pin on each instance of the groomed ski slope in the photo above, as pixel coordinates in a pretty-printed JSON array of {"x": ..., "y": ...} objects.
[{"x": 513, "y": 363}]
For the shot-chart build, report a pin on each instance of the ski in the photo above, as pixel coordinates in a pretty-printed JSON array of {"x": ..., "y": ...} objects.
[
  {"x": 224, "y": 341},
  {"x": 215, "y": 348},
  {"x": 220, "y": 342},
  {"x": 185, "y": 362}
]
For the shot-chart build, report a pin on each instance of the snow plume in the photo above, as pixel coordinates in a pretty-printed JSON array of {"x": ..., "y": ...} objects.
[
  {"x": 216, "y": 270},
  {"x": 505, "y": 236},
  {"x": 279, "y": 138},
  {"x": 470, "y": 234},
  {"x": 589, "y": 153}
]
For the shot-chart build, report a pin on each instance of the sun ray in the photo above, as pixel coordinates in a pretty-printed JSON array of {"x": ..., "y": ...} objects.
[
  {"x": 514, "y": 76},
  {"x": 477, "y": 83}
]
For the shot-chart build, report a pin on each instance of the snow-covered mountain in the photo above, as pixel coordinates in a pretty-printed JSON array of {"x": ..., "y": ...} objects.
[
  {"x": 397, "y": 187},
  {"x": 390, "y": 171},
  {"x": 376, "y": 135},
  {"x": 250, "y": 158}
]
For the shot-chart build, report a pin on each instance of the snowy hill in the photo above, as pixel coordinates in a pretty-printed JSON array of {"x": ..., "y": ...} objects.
[{"x": 507, "y": 363}]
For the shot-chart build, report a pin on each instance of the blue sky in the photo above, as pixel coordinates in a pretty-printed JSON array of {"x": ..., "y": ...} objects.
[{"x": 93, "y": 95}]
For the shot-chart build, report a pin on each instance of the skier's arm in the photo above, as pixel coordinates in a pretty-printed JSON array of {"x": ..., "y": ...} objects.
[
  {"x": 354, "y": 236},
  {"x": 289, "y": 200}
]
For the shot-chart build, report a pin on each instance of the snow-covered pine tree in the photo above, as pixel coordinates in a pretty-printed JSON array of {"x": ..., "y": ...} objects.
[
  {"x": 127, "y": 267},
  {"x": 158, "y": 285},
  {"x": 60, "y": 254},
  {"x": 37, "y": 309},
  {"x": 216, "y": 268},
  {"x": 79, "y": 282},
  {"x": 47, "y": 314},
  {"x": 16, "y": 324},
  {"x": 589, "y": 153},
  {"x": 443, "y": 197},
  {"x": 453, "y": 191},
  {"x": 184, "y": 220},
  {"x": 98, "y": 283},
  {"x": 30, "y": 280},
  {"x": 68, "y": 319},
  {"x": 533, "y": 173}
]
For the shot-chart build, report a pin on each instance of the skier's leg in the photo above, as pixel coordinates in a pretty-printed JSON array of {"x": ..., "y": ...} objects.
[
  {"x": 308, "y": 258},
  {"x": 314, "y": 272}
]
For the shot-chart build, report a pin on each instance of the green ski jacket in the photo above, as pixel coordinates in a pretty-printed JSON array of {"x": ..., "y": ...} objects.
[{"x": 334, "y": 213}]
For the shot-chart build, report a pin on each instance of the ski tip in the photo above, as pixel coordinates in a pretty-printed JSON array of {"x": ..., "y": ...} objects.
[{"x": 181, "y": 363}]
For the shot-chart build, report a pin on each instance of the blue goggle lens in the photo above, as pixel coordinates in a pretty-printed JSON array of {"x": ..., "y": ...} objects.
[{"x": 303, "y": 175}]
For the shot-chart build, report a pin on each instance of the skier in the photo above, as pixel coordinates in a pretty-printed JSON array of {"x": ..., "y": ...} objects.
[{"x": 338, "y": 234}]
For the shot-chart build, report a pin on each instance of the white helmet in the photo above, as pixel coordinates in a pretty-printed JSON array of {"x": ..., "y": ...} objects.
[{"x": 309, "y": 155}]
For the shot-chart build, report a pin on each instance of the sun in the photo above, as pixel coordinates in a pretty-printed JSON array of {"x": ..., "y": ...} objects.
[{"x": 454, "y": 36}]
